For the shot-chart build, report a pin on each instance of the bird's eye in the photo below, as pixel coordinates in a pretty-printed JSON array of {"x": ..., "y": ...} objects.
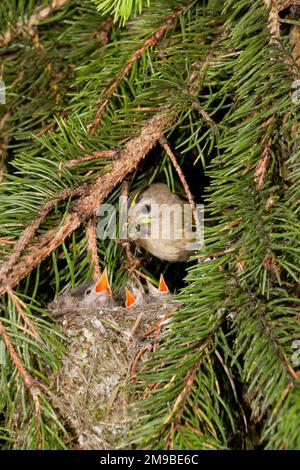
[
  {"x": 148, "y": 208},
  {"x": 138, "y": 227},
  {"x": 88, "y": 291}
]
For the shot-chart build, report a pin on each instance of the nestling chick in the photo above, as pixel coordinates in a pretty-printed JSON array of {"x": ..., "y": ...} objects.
[
  {"x": 87, "y": 295},
  {"x": 161, "y": 223},
  {"x": 137, "y": 296}
]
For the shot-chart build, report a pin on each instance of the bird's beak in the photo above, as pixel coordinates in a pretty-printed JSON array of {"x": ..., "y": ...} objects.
[
  {"x": 130, "y": 298},
  {"x": 162, "y": 286},
  {"x": 103, "y": 284}
]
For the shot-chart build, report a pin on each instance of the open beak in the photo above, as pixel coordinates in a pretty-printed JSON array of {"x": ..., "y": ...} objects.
[
  {"x": 130, "y": 298},
  {"x": 162, "y": 286},
  {"x": 103, "y": 284}
]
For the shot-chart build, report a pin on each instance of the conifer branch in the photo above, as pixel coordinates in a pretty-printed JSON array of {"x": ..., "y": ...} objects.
[
  {"x": 30, "y": 383},
  {"x": 30, "y": 231},
  {"x": 86, "y": 206},
  {"x": 42, "y": 13},
  {"x": 20, "y": 306},
  {"x": 152, "y": 41},
  {"x": 87, "y": 158}
]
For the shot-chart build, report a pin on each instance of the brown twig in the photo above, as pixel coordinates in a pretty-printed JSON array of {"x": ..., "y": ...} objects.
[
  {"x": 30, "y": 383},
  {"x": 29, "y": 232},
  {"x": 86, "y": 206},
  {"x": 136, "y": 361},
  {"x": 87, "y": 158},
  {"x": 50, "y": 127},
  {"x": 275, "y": 7},
  {"x": 136, "y": 323},
  {"x": 152, "y": 41},
  {"x": 92, "y": 247},
  {"x": 156, "y": 327},
  {"x": 165, "y": 145},
  {"x": 205, "y": 115},
  {"x": 28, "y": 25},
  {"x": 180, "y": 400},
  {"x": 20, "y": 305}
]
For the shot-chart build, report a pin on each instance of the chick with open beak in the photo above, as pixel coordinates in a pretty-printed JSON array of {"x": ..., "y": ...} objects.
[
  {"x": 99, "y": 295},
  {"x": 136, "y": 297},
  {"x": 88, "y": 295}
]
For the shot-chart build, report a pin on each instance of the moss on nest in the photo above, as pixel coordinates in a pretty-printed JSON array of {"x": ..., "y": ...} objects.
[{"x": 94, "y": 391}]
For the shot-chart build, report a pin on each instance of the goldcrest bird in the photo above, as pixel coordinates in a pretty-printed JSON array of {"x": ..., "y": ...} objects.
[{"x": 161, "y": 222}]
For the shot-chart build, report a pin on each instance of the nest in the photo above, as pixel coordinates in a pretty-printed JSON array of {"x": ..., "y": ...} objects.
[{"x": 94, "y": 391}]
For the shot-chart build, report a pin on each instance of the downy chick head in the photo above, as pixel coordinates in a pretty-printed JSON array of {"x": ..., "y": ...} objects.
[
  {"x": 136, "y": 297},
  {"x": 161, "y": 222},
  {"x": 99, "y": 294}
]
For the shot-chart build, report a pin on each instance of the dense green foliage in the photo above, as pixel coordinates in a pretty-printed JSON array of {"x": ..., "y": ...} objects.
[{"x": 223, "y": 376}]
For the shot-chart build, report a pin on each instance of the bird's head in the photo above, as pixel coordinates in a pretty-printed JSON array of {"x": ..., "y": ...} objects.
[{"x": 139, "y": 215}]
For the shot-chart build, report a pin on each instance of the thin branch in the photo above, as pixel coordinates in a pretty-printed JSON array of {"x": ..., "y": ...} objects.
[
  {"x": 101, "y": 154},
  {"x": 152, "y": 41},
  {"x": 186, "y": 188},
  {"x": 29, "y": 232},
  {"x": 86, "y": 206},
  {"x": 261, "y": 166},
  {"x": 20, "y": 305},
  {"x": 136, "y": 361},
  {"x": 92, "y": 247},
  {"x": 27, "y": 378},
  {"x": 182, "y": 397},
  {"x": 275, "y": 7},
  {"x": 28, "y": 25}
]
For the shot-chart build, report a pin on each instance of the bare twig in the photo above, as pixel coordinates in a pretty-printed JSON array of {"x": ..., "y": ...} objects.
[
  {"x": 275, "y": 7},
  {"x": 186, "y": 188},
  {"x": 92, "y": 247},
  {"x": 29, "y": 232},
  {"x": 152, "y": 41},
  {"x": 101, "y": 154},
  {"x": 136, "y": 361}
]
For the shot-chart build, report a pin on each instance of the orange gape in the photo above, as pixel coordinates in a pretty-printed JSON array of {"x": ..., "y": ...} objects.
[
  {"x": 130, "y": 298},
  {"x": 103, "y": 284},
  {"x": 162, "y": 286}
]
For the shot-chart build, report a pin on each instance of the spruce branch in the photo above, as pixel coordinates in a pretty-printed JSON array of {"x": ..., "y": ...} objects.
[
  {"x": 152, "y": 41},
  {"x": 21, "y": 306},
  {"x": 30, "y": 231},
  {"x": 28, "y": 25},
  {"x": 30, "y": 383},
  {"x": 85, "y": 207}
]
